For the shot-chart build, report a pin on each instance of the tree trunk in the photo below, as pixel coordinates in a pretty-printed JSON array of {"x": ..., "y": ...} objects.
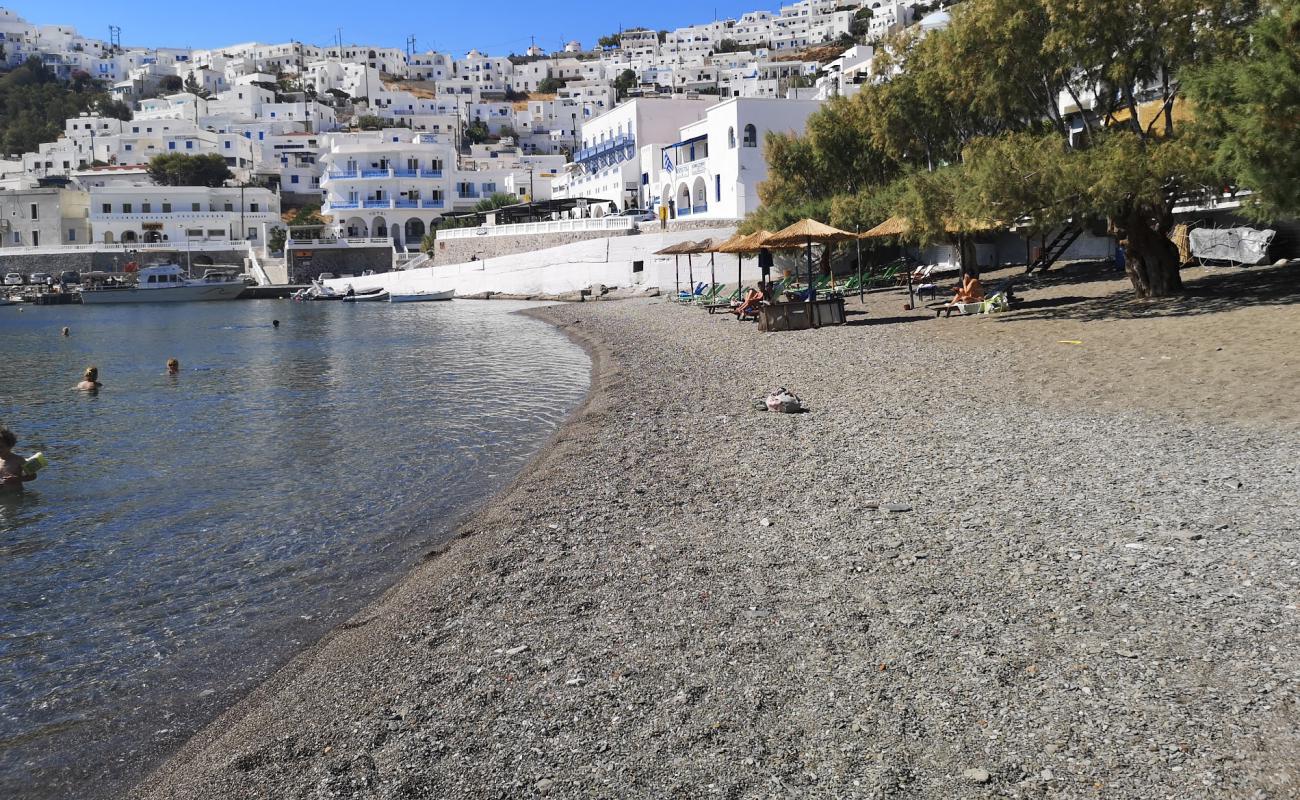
[
  {"x": 1151, "y": 258},
  {"x": 967, "y": 256}
]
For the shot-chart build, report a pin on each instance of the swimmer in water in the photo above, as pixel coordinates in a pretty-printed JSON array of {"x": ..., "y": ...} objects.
[
  {"x": 173, "y": 367},
  {"x": 12, "y": 476},
  {"x": 90, "y": 381},
  {"x": 67, "y": 331},
  {"x": 275, "y": 323}
]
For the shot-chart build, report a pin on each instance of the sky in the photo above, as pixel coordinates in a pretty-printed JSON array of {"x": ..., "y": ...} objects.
[{"x": 497, "y": 27}]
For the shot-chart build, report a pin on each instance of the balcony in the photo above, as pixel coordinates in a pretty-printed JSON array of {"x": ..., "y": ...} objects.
[
  {"x": 376, "y": 173},
  {"x": 343, "y": 205},
  {"x": 431, "y": 203},
  {"x": 406, "y": 204},
  {"x": 378, "y": 204},
  {"x": 341, "y": 175},
  {"x": 471, "y": 194},
  {"x": 373, "y": 174},
  {"x": 430, "y": 173},
  {"x": 405, "y": 173}
]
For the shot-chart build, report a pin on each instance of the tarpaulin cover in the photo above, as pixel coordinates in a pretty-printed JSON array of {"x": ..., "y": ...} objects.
[{"x": 1240, "y": 245}]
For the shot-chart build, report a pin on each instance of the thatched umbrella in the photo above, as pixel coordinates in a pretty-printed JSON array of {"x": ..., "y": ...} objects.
[
  {"x": 804, "y": 234},
  {"x": 676, "y": 251},
  {"x": 743, "y": 246},
  {"x": 901, "y": 228}
]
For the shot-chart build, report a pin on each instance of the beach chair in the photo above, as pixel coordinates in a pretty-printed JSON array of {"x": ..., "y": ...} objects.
[
  {"x": 709, "y": 296},
  {"x": 726, "y": 302},
  {"x": 686, "y": 297}
]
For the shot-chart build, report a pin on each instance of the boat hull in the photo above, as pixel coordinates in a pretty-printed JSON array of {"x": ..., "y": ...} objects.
[
  {"x": 423, "y": 297},
  {"x": 172, "y": 294}
]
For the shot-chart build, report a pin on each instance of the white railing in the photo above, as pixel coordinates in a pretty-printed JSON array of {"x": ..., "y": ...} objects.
[
  {"x": 553, "y": 226},
  {"x": 370, "y": 241},
  {"x": 122, "y": 247}
]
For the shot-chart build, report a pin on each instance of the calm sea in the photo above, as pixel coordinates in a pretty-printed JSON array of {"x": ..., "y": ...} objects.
[{"x": 192, "y": 533}]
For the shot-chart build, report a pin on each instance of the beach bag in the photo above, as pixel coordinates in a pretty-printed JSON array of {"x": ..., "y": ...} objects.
[{"x": 781, "y": 401}]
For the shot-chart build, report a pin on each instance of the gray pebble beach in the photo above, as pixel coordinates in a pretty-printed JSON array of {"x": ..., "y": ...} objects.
[{"x": 934, "y": 584}]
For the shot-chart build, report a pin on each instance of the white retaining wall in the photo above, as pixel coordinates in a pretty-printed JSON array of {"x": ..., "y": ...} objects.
[{"x": 569, "y": 268}]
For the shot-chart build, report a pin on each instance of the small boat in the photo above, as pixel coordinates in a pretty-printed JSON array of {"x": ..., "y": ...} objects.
[
  {"x": 367, "y": 296},
  {"x": 164, "y": 283},
  {"x": 9, "y": 301},
  {"x": 421, "y": 297},
  {"x": 317, "y": 291}
]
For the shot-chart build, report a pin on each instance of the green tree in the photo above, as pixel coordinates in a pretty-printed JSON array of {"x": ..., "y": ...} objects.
[
  {"x": 476, "y": 132},
  {"x": 192, "y": 86},
  {"x": 370, "y": 122},
  {"x": 171, "y": 84},
  {"x": 549, "y": 85},
  {"x": 1248, "y": 110},
  {"x": 625, "y": 82},
  {"x": 611, "y": 40},
  {"x": 179, "y": 169}
]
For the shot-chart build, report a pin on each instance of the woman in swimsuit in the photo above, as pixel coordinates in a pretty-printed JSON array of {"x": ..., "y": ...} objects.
[
  {"x": 12, "y": 476},
  {"x": 90, "y": 381}
]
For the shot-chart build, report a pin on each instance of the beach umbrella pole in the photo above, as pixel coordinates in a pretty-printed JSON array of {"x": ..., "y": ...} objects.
[
  {"x": 677, "y": 275},
  {"x": 862, "y": 290},
  {"x": 812, "y": 287},
  {"x": 740, "y": 266},
  {"x": 713, "y": 276}
]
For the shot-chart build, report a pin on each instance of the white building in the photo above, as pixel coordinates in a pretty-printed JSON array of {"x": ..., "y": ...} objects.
[
  {"x": 713, "y": 169},
  {"x": 126, "y": 214},
  {"x": 618, "y": 149}
]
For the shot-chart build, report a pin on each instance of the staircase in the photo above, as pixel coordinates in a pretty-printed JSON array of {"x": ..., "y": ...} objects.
[{"x": 1068, "y": 236}]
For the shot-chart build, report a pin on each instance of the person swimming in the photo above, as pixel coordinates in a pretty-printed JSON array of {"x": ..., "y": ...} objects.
[
  {"x": 12, "y": 467},
  {"x": 275, "y": 323},
  {"x": 90, "y": 380},
  {"x": 173, "y": 367},
  {"x": 67, "y": 331}
]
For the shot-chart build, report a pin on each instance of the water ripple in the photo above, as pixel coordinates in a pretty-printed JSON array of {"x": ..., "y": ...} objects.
[{"x": 194, "y": 532}]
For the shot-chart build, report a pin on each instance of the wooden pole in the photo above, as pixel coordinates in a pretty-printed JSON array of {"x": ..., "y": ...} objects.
[{"x": 862, "y": 290}]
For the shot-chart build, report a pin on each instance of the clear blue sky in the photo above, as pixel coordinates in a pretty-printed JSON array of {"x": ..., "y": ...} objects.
[{"x": 496, "y": 26}]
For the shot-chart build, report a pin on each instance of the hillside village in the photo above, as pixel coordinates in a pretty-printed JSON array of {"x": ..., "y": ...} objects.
[{"x": 387, "y": 141}]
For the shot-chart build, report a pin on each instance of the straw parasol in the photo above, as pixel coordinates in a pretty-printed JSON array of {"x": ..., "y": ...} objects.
[
  {"x": 676, "y": 250},
  {"x": 743, "y": 246},
  {"x": 805, "y": 233}
]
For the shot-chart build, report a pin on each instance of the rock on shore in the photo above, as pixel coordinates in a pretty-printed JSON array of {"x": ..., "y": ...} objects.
[{"x": 920, "y": 589}]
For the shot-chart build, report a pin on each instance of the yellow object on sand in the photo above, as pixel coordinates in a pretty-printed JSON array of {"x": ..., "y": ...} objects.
[{"x": 1069, "y": 341}]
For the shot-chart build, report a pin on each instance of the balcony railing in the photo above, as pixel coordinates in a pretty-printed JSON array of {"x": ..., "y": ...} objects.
[
  {"x": 431, "y": 204},
  {"x": 376, "y": 173},
  {"x": 405, "y": 173},
  {"x": 371, "y": 174},
  {"x": 553, "y": 226},
  {"x": 344, "y": 205},
  {"x": 340, "y": 175},
  {"x": 430, "y": 173},
  {"x": 379, "y": 204},
  {"x": 406, "y": 204}
]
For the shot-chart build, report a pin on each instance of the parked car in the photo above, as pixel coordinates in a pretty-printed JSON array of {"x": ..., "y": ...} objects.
[
  {"x": 70, "y": 276},
  {"x": 639, "y": 214},
  {"x": 39, "y": 279},
  {"x": 14, "y": 279}
]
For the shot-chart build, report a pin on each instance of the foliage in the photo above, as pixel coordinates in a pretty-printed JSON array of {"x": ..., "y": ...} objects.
[
  {"x": 370, "y": 122},
  {"x": 549, "y": 85},
  {"x": 171, "y": 84},
  {"x": 307, "y": 215},
  {"x": 179, "y": 169},
  {"x": 192, "y": 86},
  {"x": 476, "y": 132},
  {"x": 611, "y": 40},
  {"x": 1248, "y": 108},
  {"x": 34, "y": 104},
  {"x": 490, "y": 203},
  {"x": 625, "y": 82},
  {"x": 963, "y": 126}
]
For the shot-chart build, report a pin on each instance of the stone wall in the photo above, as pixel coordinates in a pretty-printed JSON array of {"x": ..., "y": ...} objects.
[
  {"x": 110, "y": 261},
  {"x": 482, "y": 248},
  {"x": 307, "y": 263}
]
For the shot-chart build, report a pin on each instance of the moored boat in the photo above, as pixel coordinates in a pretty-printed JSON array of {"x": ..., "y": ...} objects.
[
  {"x": 366, "y": 296},
  {"x": 420, "y": 297},
  {"x": 163, "y": 283}
]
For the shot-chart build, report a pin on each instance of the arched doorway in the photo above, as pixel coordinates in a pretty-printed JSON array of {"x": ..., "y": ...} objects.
[
  {"x": 379, "y": 228},
  {"x": 700, "y": 196},
  {"x": 128, "y": 236},
  {"x": 683, "y": 200},
  {"x": 356, "y": 229},
  {"x": 108, "y": 237},
  {"x": 414, "y": 231},
  {"x": 152, "y": 237}
]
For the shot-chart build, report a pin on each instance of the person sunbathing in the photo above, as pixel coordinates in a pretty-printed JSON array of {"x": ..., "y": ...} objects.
[
  {"x": 970, "y": 291},
  {"x": 749, "y": 306}
]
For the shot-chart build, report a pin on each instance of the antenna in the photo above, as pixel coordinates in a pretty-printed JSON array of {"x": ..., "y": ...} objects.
[
  {"x": 115, "y": 36},
  {"x": 410, "y": 46}
]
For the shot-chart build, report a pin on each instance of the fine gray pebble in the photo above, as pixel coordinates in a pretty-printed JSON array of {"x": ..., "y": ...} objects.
[{"x": 1075, "y": 603}]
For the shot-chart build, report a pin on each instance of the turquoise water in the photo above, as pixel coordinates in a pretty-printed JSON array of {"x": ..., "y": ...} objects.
[{"x": 191, "y": 533}]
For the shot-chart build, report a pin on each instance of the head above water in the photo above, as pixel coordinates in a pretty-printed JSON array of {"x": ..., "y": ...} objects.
[
  {"x": 7, "y": 438},
  {"x": 173, "y": 366},
  {"x": 66, "y": 331},
  {"x": 91, "y": 374},
  {"x": 275, "y": 323}
]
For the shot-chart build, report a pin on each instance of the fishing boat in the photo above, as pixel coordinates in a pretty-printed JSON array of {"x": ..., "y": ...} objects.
[
  {"x": 162, "y": 283},
  {"x": 421, "y": 297},
  {"x": 366, "y": 296}
]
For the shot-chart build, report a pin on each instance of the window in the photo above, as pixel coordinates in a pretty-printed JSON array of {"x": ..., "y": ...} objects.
[
  {"x": 34, "y": 212},
  {"x": 128, "y": 148},
  {"x": 107, "y": 208},
  {"x": 229, "y": 207},
  {"x": 717, "y": 187},
  {"x": 126, "y": 208},
  {"x": 254, "y": 207},
  {"x": 146, "y": 208},
  {"x": 751, "y": 136},
  {"x": 638, "y": 266},
  {"x": 171, "y": 145},
  {"x": 36, "y": 238},
  {"x": 72, "y": 234},
  {"x": 293, "y": 179},
  {"x": 731, "y": 138},
  {"x": 227, "y": 145},
  {"x": 189, "y": 145},
  {"x": 167, "y": 208},
  {"x": 194, "y": 206}
]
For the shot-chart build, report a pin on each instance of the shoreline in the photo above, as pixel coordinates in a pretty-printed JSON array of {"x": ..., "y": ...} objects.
[
  {"x": 682, "y": 597},
  {"x": 157, "y": 780}
]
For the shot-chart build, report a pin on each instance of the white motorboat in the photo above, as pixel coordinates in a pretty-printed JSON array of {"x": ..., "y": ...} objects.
[
  {"x": 164, "y": 283},
  {"x": 421, "y": 297},
  {"x": 317, "y": 291},
  {"x": 366, "y": 296}
]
